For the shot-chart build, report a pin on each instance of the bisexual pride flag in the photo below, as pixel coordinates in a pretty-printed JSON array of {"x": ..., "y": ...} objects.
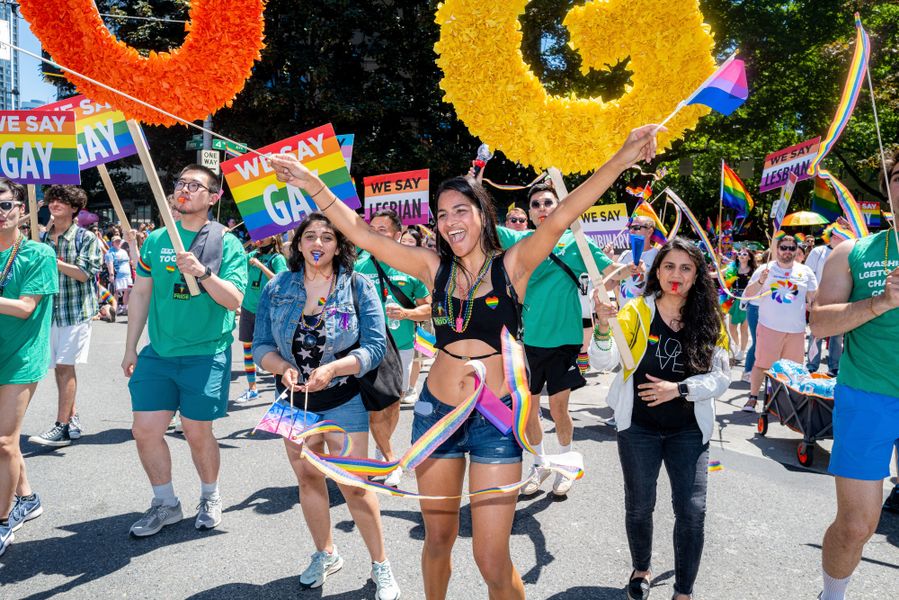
[
  {"x": 270, "y": 207},
  {"x": 725, "y": 90}
]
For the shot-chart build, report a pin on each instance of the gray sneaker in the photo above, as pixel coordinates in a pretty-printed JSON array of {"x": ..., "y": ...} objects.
[
  {"x": 385, "y": 584},
  {"x": 209, "y": 513},
  {"x": 24, "y": 510},
  {"x": 157, "y": 517},
  {"x": 322, "y": 565},
  {"x": 57, "y": 436},
  {"x": 75, "y": 427}
]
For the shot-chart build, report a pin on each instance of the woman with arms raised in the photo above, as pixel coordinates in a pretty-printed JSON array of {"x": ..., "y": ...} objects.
[{"x": 474, "y": 288}]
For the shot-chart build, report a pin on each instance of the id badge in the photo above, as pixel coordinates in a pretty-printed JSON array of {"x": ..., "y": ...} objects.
[{"x": 181, "y": 292}]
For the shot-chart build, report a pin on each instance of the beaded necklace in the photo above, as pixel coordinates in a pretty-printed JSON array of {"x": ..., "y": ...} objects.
[
  {"x": 9, "y": 262},
  {"x": 310, "y": 339},
  {"x": 460, "y": 324},
  {"x": 886, "y": 256}
]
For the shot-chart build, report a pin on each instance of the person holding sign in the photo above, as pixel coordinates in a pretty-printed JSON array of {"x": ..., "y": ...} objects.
[
  {"x": 553, "y": 338},
  {"x": 475, "y": 294},
  {"x": 264, "y": 262},
  {"x": 406, "y": 300},
  {"x": 28, "y": 281},
  {"x": 310, "y": 331},
  {"x": 859, "y": 298},
  {"x": 664, "y": 408},
  {"x": 79, "y": 260},
  {"x": 186, "y": 366},
  {"x": 632, "y": 286}
]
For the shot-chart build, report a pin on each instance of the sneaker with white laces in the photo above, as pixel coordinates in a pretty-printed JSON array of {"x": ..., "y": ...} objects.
[
  {"x": 385, "y": 584},
  {"x": 393, "y": 480},
  {"x": 158, "y": 516},
  {"x": 24, "y": 510},
  {"x": 75, "y": 427},
  {"x": 209, "y": 513},
  {"x": 6, "y": 537},
  {"x": 322, "y": 565},
  {"x": 538, "y": 476},
  {"x": 562, "y": 485},
  {"x": 57, "y": 436},
  {"x": 410, "y": 397},
  {"x": 247, "y": 396}
]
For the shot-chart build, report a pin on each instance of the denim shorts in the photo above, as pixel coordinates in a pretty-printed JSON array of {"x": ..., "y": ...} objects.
[
  {"x": 351, "y": 416},
  {"x": 476, "y": 436}
]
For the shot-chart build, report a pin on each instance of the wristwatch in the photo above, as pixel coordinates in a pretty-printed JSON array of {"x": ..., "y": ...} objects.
[
  {"x": 206, "y": 275},
  {"x": 683, "y": 389}
]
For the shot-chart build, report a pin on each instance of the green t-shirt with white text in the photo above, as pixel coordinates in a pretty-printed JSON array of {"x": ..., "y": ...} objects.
[
  {"x": 25, "y": 343},
  {"x": 552, "y": 306},
  {"x": 404, "y": 335},
  {"x": 180, "y": 324}
]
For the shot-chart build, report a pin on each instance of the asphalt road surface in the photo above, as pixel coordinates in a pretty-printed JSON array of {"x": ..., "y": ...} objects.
[{"x": 766, "y": 514}]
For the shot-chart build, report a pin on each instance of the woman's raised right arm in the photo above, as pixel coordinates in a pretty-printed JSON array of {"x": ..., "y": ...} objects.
[{"x": 421, "y": 263}]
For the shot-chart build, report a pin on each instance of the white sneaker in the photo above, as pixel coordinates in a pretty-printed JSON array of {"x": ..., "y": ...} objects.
[
  {"x": 385, "y": 584},
  {"x": 411, "y": 397},
  {"x": 247, "y": 396},
  {"x": 393, "y": 480},
  {"x": 747, "y": 377},
  {"x": 740, "y": 355},
  {"x": 561, "y": 485},
  {"x": 378, "y": 456},
  {"x": 538, "y": 476},
  {"x": 322, "y": 565}
]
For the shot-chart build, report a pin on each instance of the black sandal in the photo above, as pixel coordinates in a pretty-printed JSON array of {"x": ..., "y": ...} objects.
[{"x": 638, "y": 587}]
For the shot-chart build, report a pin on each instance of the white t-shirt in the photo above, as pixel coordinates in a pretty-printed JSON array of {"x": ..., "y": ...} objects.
[
  {"x": 784, "y": 308},
  {"x": 633, "y": 285},
  {"x": 816, "y": 259}
]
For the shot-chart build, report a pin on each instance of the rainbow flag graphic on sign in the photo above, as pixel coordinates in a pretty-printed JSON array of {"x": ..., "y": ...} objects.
[
  {"x": 102, "y": 131},
  {"x": 270, "y": 207},
  {"x": 39, "y": 147}
]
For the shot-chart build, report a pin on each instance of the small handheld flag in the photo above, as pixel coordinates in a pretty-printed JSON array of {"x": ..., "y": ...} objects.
[
  {"x": 725, "y": 90},
  {"x": 734, "y": 194}
]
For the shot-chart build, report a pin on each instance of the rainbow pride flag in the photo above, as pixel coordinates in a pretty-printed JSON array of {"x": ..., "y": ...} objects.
[
  {"x": 851, "y": 209},
  {"x": 824, "y": 202},
  {"x": 101, "y": 130},
  {"x": 424, "y": 342},
  {"x": 734, "y": 194},
  {"x": 725, "y": 90},
  {"x": 269, "y": 207},
  {"x": 39, "y": 147},
  {"x": 644, "y": 209}
]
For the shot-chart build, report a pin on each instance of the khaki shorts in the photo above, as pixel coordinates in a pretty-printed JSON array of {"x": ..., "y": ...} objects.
[{"x": 772, "y": 345}]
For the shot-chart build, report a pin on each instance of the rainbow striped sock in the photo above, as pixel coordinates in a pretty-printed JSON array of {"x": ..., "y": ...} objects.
[
  {"x": 583, "y": 362},
  {"x": 249, "y": 366}
]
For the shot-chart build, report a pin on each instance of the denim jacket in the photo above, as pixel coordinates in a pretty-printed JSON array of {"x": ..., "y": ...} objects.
[{"x": 281, "y": 308}]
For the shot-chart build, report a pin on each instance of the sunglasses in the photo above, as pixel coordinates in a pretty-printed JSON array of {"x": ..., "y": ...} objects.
[
  {"x": 516, "y": 220},
  {"x": 8, "y": 205},
  {"x": 742, "y": 254},
  {"x": 545, "y": 203},
  {"x": 639, "y": 227},
  {"x": 787, "y": 248}
]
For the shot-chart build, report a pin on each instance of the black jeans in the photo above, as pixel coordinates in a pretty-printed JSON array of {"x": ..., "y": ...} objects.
[{"x": 686, "y": 458}]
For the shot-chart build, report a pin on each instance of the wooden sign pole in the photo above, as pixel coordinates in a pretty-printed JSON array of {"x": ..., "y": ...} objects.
[
  {"x": 577, "y": 229},
  {"x": 114, "y": 198},
  {"x": 32, "y": 213},
  {"x": 147, "y": 161}
]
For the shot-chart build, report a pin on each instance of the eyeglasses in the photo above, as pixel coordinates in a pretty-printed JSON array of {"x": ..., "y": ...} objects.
[
  {"x": 787, "y": 248},
  {"x": 8, "y": 205},
  {"x": 545, "y": 203},
  {"x": 517, "y": 220},
  {"x": 636, "y": 227},
  {"x": 192, "y": 186}
]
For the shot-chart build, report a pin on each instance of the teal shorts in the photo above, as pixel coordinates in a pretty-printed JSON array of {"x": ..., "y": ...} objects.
[{"x": 197, "y": 386}]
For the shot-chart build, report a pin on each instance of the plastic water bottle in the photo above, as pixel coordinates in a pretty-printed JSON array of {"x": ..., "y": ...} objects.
[{"x": 392, "y": 323}]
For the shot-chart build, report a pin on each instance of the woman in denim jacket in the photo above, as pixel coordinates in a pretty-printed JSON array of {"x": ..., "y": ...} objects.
[{"x": 305, "y": 320}]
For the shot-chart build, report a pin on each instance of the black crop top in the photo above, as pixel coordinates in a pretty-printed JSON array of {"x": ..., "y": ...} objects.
[{"x": 489, "y": 313}]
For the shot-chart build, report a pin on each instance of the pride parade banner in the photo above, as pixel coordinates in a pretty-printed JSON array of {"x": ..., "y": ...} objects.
[
  {"x": 346, "y": 147},
  {"x": 605, "y": 224},
  {"x": 871, "y": 212},
  {"x": 102, "y": 131},
  {"x": 270, "y": 207},
  {"x": 39, "y": 147},
  {"x": 795, "y": 159},
  {"x": 406, "y": 193}
]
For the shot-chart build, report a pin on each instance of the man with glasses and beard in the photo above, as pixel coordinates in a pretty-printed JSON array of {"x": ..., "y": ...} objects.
[
  {"x": 186, "y": 367},
  {"x": 789, "y": 288}
]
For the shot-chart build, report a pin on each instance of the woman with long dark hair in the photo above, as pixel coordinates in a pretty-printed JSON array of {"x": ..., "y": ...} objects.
[
  {"x": 664, "y": 407},
  {"x": 476, "y": 287},
  {"x": 307, "y": 320}
]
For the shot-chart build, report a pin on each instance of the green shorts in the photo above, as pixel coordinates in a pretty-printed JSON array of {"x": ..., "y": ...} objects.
[{"x": 195, "y": 385}]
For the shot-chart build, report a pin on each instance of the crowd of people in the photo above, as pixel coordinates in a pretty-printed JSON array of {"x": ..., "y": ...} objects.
[{"x": 327, "y": 306}]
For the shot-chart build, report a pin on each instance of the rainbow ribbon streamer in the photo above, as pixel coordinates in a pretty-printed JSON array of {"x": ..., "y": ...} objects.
[
  {"x": 704, "y": 238},
  {"x": 424, "y": 342},
  {"x": 847, "y": 202},
  {"x": 514, "y": 188},
  {"x": 354, "y": 471}
]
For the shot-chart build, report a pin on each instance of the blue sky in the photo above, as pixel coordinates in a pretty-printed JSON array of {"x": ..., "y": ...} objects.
[{"x": 32, "y": 86}]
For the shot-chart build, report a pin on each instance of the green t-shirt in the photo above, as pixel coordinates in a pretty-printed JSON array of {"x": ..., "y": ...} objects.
[
  {"x": 552, "y": 306},
  {"x": 25, "y": 346},
  {"x": 181, "y": 324},
  {"x": 866, "y": 348},
  {"x": 256, "y": 279},
  {"x": 404, "y": 335}
]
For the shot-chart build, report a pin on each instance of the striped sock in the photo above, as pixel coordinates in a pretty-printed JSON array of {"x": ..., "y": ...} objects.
[
  {"x": 249, "y": 366},
  {"x": 583, "y": 362}
]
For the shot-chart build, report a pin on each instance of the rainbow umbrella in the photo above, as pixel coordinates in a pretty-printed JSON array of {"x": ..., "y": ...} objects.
[{"x": 804, "y": 218}]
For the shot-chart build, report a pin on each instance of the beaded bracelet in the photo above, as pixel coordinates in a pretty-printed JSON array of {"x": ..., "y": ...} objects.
[{"x": 597, "y": 335}]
